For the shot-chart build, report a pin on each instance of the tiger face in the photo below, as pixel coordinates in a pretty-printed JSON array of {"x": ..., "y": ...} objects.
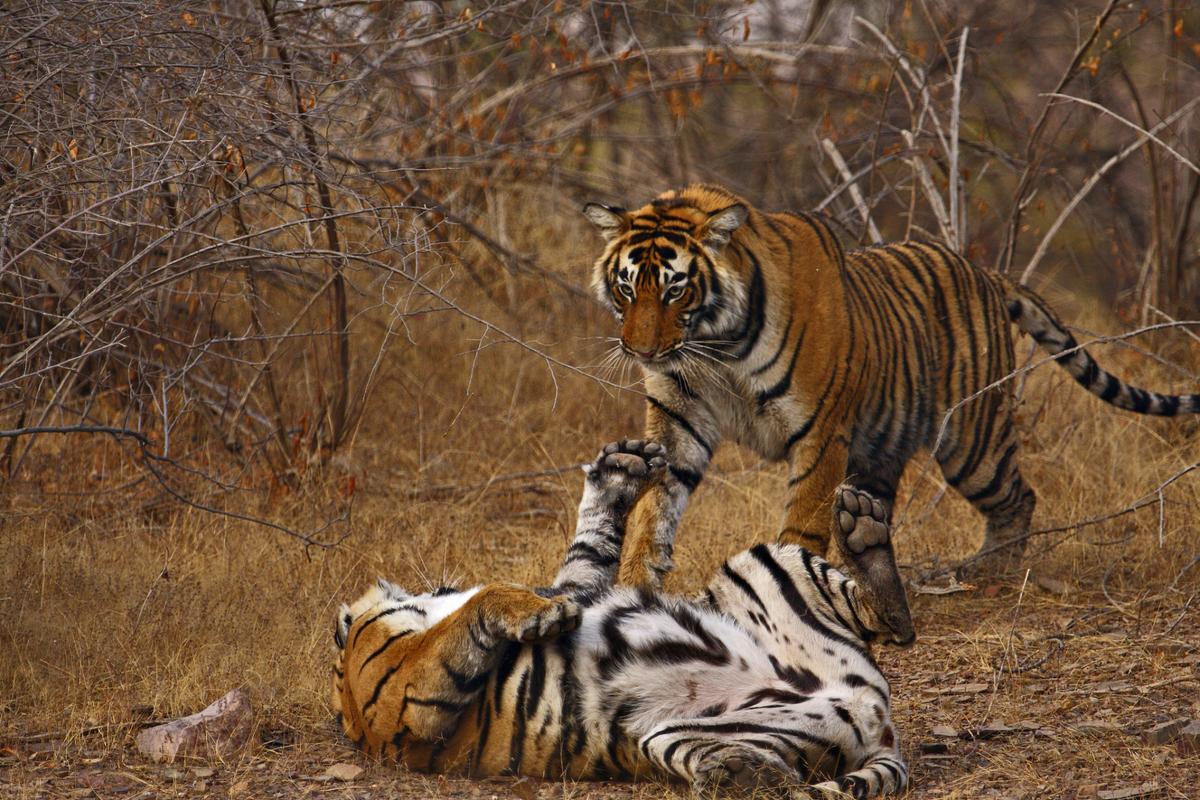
[{"x": 666, "y": 276}]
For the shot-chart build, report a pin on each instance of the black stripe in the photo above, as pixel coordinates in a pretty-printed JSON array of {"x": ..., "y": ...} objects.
[
  {"x": 689, "y": 478},
  {"x": 505, "y": 664},
  {"x": 855, "y": 680},
  {"x": 537, "y": 680},
  {"x": 465, "y": 682},
  {"x": 582, "y": 551},
  {"x": 785, "y": 382},
  {"x": 386, "y": 644},
  {"x": 369, "y": 623},
  {"x": 1168, "y": 406},
  {"x": 1140, "y": 398},
  {"x": 379, "y": 687},
  {"x": 616, "y": 733},
  {"x": 1112, "y": 387},
  {"x": 845, "y": 717},
  {"x": 737, "y": 580},
  {"x": 795, "y": 601},
  {"x": 682, "y": 422},
  {"x": 783, "y": 340},
  {"x": 733, "y": 727},
  {"x": 516, "y": 750},
  {"x": 752, "y": 325},
  {"x": 819, "y": 578},
  {"x": 998, "y": 477}
]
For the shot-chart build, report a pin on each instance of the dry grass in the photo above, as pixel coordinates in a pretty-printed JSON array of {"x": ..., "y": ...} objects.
[{"x": 111, "y": 598}]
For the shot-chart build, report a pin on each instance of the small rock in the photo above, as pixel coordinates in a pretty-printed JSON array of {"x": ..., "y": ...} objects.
[
  {"x": 944, "y": 732},
  {"x": 1097, "y": 726},
  {"x": 203, "y": 772},
  {"x": 216, "y": 732},
  {"x": 1187, "y": 741},
  {"x": 1165, "y": 732},
  {"x": 993, "y": 729},
  {"x": 344, "y": 772},
  {"x": 1052, "y": 585},
  {"x": 1129, "y": 792}
]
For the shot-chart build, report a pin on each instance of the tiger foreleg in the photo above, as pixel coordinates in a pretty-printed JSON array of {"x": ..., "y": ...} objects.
[
  {"x": 616, "y": 479},
  {"x": 449, "y": 663},
  {"x": 689, "y": 436}
]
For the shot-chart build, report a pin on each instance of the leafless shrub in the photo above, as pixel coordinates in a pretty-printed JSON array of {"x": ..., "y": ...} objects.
[{"x": 217, "y": 220}]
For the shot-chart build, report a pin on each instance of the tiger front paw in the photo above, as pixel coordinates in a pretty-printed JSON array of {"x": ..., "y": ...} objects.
[{"x": 545, "y": 619}]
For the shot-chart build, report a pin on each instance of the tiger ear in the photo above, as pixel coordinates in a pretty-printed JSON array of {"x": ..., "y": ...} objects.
[
  {"x": 390, "y": 589},
  {"x": 719, "y": 227},
  {"x": 611, "y": 220},
  {"x": 342, "y": 628}
]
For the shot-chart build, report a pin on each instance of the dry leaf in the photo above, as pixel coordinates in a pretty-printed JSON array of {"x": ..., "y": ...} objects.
[
  {"x": 344, "y": 771},
  {"x": 1129, "y": 792}
]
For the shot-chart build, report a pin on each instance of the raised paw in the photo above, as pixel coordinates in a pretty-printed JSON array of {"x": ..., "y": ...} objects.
[
  {"x": 626, "y": 468},
  {"x": 861, "y": 519},
  {"x": 520, "y": 615},
  {"x": 740, "y": 770}
]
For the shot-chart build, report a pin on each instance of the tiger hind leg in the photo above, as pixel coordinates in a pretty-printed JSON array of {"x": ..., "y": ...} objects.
[
  {"x": 616, "y": 480},
  {"x": 863, "y": 531},
  {"x": 983, "y": 469},
  {"x": 884, "y": 773}
]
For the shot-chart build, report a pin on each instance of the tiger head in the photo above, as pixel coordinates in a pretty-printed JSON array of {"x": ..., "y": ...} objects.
[
  {"x": 373, "y": 634},
  {"x": 667, "y": 274}
]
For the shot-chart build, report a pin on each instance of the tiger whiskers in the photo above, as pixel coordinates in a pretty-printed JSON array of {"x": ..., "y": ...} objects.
[{"x": 696, "y": 364}]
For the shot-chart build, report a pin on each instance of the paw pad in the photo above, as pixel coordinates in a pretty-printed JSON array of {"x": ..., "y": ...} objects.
[
  {"x": 631, "y": 458},
  {"x": 861, "y": 518}
]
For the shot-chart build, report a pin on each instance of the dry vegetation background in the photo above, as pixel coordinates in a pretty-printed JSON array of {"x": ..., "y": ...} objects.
[{"x": 294, "y": 294}]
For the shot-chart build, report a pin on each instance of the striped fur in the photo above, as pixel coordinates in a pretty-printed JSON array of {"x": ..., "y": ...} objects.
[
  {"x": 758, "y": 327},
  {"x": 767, "y": 679}
]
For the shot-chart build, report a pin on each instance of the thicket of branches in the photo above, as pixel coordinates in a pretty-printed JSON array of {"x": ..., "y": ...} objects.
[{"x": 216, "y": 218}]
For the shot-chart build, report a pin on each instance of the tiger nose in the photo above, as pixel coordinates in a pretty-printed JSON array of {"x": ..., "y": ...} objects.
[{"x": 651, "y": 353}]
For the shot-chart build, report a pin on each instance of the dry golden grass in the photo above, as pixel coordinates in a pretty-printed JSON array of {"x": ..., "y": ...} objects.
[{"x": 111, "y": 599}]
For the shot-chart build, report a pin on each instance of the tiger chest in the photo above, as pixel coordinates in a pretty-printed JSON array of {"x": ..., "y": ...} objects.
[{"x": 763, "y": 426}]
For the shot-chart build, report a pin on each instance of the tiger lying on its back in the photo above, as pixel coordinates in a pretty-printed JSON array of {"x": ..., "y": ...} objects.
[
  {"x": 765, "y": 681},
  {"x": 757, "y": 327}
]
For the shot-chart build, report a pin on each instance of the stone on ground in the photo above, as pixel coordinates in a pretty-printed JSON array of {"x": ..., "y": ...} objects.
[{"x": 217, "y": 732}]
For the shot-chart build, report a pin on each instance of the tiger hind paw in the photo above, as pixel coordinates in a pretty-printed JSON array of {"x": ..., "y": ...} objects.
[{"x": 624, "y": 470}]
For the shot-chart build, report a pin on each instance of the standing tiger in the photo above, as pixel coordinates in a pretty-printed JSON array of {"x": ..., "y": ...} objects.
[
  {"x": 759, "y": 327},
  {"x": 767, "y": 680}
]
